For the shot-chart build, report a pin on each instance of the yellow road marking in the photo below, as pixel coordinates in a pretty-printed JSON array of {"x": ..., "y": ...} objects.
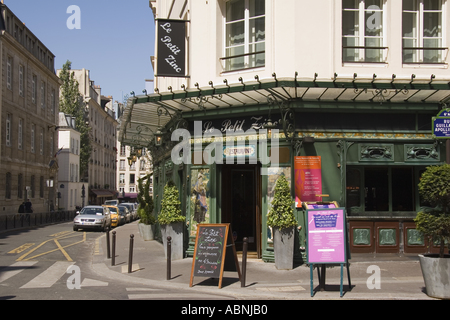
[
  {"x": 59, "y": 234},
  {"x": 61, "y": 237},
  {"x": 22, "y": 248},
  {"x": 63, "y": 251}
]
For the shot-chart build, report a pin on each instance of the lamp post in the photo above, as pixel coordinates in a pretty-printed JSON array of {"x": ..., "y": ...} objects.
[{"x": 83, "y": 195}]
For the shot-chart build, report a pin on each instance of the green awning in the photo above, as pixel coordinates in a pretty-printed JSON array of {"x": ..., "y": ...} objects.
[{"x": 140, "y": 120}]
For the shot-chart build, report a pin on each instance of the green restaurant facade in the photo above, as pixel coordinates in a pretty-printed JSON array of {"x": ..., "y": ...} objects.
[{"x": 225, "y": 146}]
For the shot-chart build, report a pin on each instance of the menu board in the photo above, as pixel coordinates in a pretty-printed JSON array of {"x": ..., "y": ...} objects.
[
  {"x": 326, "y": 233},
  {"x": 211, "y": 250}
]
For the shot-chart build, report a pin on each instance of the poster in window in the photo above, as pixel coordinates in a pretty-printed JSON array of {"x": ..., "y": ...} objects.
[
  {"x": 200, "y": 199},
  {"x": 171, "y": 52},
  {"x": 308, "y": 179}
]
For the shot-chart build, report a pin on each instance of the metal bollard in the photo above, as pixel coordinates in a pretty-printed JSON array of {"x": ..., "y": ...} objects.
[
  {"x": 169, "y": 257},
  {"x": 108, "y": 251},
  {"x": 130, "y": 257},
  {"x": 113, "y": 260},
  {"x": 244, "y": 262}
]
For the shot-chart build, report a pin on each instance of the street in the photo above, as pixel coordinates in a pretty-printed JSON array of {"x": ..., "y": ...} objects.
[{"x": 55, "y": 263}]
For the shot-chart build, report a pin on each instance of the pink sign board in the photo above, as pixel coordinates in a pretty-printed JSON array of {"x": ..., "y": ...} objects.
[{"x": 326, "y": 236}]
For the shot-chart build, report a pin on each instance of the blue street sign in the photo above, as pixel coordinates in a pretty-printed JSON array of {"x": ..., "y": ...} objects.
[{"x": 441, "y": 128}]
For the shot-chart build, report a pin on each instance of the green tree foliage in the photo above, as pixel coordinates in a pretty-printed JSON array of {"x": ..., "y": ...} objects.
[
  {"x": 145, "y": 210},
  {"x": 434, "y": 187},
  {"x": 281, "y": 215},
  {"x": 170, "y": 206},
  {"x": 71, "y": 102}
]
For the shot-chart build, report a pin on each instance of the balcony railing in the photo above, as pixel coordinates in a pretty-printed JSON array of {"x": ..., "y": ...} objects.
[
  {"x": 244, "y": 61},
  {"x": 422, "y": 55},
  {"x": 364, "y": 54}
]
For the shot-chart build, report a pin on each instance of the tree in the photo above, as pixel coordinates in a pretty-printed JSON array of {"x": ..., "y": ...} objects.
[
  {"x": 71, "y": 102},
  {"x": 281, "y": 215},
  {"x": 434, "y": 187},
  {"x": 145, "y": 210},
  {"x": 170, "y": 205}
]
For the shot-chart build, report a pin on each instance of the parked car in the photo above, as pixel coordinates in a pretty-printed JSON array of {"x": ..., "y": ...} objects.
[
  {"x": 115, "y": 215},
  {"x": 111, "y": 202},
  {"x": 127, "y": 213},
  {"x": 123, "y": 214},
  {"x": 131, "y": 208},
  {"x": 92, "y": 217}
]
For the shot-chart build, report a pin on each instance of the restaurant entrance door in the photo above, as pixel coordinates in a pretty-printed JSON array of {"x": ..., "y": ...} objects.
[{"x": 241, "y": 204}]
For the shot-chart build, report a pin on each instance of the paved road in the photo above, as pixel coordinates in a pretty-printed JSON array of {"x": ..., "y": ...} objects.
[{"x": 55, "y": 263}]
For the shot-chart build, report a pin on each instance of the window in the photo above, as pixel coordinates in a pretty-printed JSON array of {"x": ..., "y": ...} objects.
[
  {"x": 122, "y": 178},
  {"x": 9, "y": 73},
  {"x": 422, "y": 31},
  {"x": 42, "y": 94},
  {"x": 33, "y": 186},
  {"x": 20, "y": 135},
  {"x": 8, "y": 186},
  {"x": 8, "y": 129},
  {"x": 363, "y": 30},
  {"x": 378, "y": 190},
  {"x": 21, "y": 93},
  {"x": 132, "y": 178},
  {"x": 20, "y": 186},
  {"x": 245, "y": 34},
  {"x": 33, "y": 88},
  {"x": 52, "y": 102},
  {"x": 41, "y": 187},
  {"x": 33, "y": 134},
  {"x": 41, "y": 142}
]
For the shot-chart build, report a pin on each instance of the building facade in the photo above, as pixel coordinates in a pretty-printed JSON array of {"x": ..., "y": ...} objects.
[
  {"x": 338, "y": 96},
  {"x": 70, "y": 189},
  {"x": 29, "y": 109},
  {"x": 101, "y": 118}
]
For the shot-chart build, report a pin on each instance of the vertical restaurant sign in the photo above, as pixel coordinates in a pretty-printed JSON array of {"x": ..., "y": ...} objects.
[
  {"x": 326, "y": 232},
  {"x": 171, "y": 59},
  {"x": 308, "y": 179}
]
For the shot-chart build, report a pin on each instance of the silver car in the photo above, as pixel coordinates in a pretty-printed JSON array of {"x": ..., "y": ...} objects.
[{"x": 93, "y": 217}]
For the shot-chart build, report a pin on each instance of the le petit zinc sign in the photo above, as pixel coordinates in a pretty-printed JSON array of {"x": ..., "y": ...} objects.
[{"x": 171, "y": 48}]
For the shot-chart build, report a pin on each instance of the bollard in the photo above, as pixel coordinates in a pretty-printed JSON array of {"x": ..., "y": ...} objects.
[
  {"x": 169, "y": 257},
  {"x": 130, "y": 257},
  {"x": 113, "y": 260},
  {"x": 108, "y": 252},
  {"x": 244, "y": 262}
]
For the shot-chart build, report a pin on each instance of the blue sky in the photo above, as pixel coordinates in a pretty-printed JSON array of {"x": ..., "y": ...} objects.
[{"x": 115, "y": 41}]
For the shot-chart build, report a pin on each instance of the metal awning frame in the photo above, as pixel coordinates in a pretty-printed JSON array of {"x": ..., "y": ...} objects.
[{"x": 169, "y": 110}]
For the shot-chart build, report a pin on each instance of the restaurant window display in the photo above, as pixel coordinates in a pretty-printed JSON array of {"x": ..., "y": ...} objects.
[{"x": 199, "y": 199}]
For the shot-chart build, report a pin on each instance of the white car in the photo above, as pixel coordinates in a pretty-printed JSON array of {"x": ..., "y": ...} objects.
[{"x": 92, "y": 217}]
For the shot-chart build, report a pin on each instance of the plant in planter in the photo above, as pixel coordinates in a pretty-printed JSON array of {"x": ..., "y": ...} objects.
[
  {"x": 145, "y": 210},
  {"x": 434, "y": 187},
  {"x": 171, "y": 220},
  {"x": 281, "y": 218}
]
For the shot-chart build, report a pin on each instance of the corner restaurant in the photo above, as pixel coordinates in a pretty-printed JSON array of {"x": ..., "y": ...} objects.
[{"x": 360, "y": 142}]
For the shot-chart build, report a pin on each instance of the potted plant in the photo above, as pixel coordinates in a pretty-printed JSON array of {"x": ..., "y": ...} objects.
[
  {"x": 282, "y": 220},
  {"x": 434, "y": 223},
  {"x": 172, "y": 221},
  {"x": 145, "y": 211}
]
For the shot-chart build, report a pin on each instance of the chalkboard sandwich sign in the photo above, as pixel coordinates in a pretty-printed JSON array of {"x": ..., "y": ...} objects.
[{"x": 210, "y": 252}]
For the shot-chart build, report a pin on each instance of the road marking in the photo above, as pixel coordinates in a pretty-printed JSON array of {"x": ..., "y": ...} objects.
[
  {"x": 93, "y": 283},
  {"x": 16, "y": 268},
  {"x": 63, "y": 251},
  {"x": 22, "y": 258},
  {"x": 22, "y": 248},
  {"x": 49, "y": 277},
  {"x": 60, "y": 233}
]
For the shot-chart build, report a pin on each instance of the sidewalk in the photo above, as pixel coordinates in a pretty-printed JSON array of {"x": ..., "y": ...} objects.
[{"x": 400, "y": 277}]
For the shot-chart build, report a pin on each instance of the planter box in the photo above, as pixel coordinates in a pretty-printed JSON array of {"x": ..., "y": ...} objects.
[
  {"x": 283, "y": 246},
  {"x": 147, "y": 232},
  {"x": 174, "y": 230},
  {"x": 436, "y": 274}
]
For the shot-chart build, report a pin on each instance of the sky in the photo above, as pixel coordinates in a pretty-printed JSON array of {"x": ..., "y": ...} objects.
[{"x": 115, "y": 39}]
